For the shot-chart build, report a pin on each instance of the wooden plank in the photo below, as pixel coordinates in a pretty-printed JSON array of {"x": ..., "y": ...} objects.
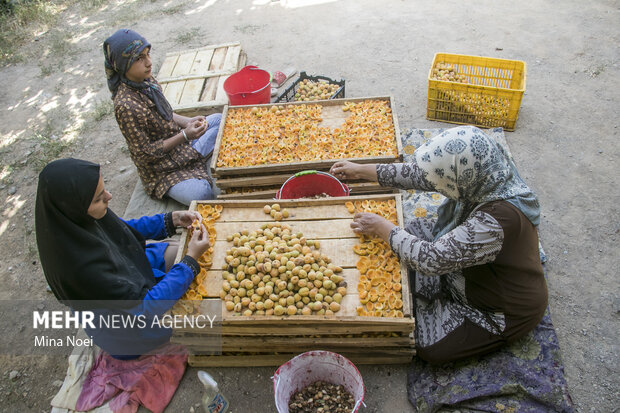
[
  {"x": 220, "y": 93},
  {"x": 283, "y": 343},
  {"x": 305, "y": 324},
  {"x": 407, "y": 302},
  {"x": 218, "y": 141},
  {"x": 198, "y": 108},
  {"x": 321, "y": 229},
  {"x": 232, "y": 58},
  {"x": 340, "y": 250},
  {"x": 217, "y": 62},
  {"x": 230, "y": 64},
  {"x": 301, "y": 165},
  {"x": 203, "y": 75},
  {"x": 274, "y": 179},
  {"x": 277, "y": 326},
  {"x": 268, "y": 194},
  {"x": 255, "y": 208},
  {"x": 201, "y": 63},
  {"x": 175, "y": 90},
  {"x": 296, "y": 166},
  {"x": 167, "y": 66},
  {"x": 210, "y": 47},
  {"x": 266, "y": 360},
  {"x": 335, "y": 210},
  {"x": 193, "y": 87},
  {"x": 399, "y": 143}
]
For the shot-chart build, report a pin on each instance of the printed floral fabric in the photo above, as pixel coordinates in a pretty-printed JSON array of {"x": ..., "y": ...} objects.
[
  {"x": 441, "y": 302},
  {"x": 145, "y": 130},
  {"x": 526, "y": 376}
]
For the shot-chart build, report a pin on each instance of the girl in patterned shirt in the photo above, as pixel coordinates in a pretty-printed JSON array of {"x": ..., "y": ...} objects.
[{"x": 170, "y": 151}]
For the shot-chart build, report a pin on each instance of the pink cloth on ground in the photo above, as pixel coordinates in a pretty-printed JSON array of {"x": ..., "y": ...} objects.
[{"x": 149, "y": 380}]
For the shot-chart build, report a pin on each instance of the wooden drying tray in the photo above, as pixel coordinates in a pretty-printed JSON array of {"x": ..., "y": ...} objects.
[
  {"x": 333, "y": 117},
  {"x": 325, "y": 219}
]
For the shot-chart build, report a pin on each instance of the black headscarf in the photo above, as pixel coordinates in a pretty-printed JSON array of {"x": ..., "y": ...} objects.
[
  {"x": 120, "y": 51},
  {"x": 86, "y": 261}
]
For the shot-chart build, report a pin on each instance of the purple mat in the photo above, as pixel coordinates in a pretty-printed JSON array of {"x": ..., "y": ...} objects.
[{"x": 527, "y": 376}]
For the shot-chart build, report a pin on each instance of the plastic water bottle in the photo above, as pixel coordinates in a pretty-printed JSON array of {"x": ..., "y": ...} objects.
[{"x": 213, "y": 401}]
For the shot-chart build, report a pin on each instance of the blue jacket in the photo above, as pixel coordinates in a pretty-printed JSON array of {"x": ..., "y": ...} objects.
[{"x": 124, "y": 340}]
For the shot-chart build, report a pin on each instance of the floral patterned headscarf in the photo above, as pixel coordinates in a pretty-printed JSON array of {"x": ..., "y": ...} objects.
[
  {"x": 120, "y": 51},
  {"x": 470, "y": 168}
]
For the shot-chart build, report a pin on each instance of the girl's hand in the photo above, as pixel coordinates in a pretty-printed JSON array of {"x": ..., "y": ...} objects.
[
  {"x": 371, "y": 224},
  {"x": 196, "y": 128},
  {"x": 199, "y": 243},
  {"x": 197, "y": 118},
  {"x": 185, "y": 218}
]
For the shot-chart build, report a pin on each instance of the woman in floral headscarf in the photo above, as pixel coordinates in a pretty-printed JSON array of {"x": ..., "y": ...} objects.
[
  {"x": 170, "y": 151},
  {"x": 478, "y": 280}
]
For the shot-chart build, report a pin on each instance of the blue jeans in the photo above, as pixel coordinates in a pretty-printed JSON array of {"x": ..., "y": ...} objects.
[
  {"x": 198, "y": 189},
  {"x": 206, "y": 142}
]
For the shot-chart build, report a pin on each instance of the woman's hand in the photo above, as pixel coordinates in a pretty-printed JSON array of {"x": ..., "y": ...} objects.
[
  {"x": 371, "y": 224},
  {"x": 350, "y": 170},
  {"x": 199, "y": 243},
  {"x": 185, "y": 218},
  {"x": 196, "y": 128}
]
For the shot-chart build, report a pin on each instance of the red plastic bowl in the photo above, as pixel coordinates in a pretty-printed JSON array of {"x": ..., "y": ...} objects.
[
  {"x": 249, "y": 86},
  {"x": 311, "y": 183}
]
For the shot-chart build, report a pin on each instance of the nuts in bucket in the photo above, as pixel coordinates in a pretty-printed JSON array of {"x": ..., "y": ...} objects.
[{"x": 321, "y": 396}]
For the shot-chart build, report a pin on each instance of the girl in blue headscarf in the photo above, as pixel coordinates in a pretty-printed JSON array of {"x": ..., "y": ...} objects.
[
  {"x": 478, "y": 280},
  {"x": 170, "y": 151}
]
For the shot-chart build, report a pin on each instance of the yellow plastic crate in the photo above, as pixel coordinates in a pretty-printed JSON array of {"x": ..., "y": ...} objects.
[{"x": 490, "y": 98}]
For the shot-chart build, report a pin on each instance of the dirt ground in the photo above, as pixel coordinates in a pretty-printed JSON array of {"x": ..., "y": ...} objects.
[{"x": 56, "y": 103}]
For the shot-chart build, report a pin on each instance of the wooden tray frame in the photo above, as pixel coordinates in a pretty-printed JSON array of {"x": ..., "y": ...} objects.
[
  {"x": 270, "y": 192},
  {"x": 247, "y": 336},
  {"x": 267, "y": 170},
  {"x": 337, "y": 221}
]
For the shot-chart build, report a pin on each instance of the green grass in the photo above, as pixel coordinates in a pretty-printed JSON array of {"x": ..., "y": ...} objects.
[
  {"x": 49, "y": 149},
  {"x": 89, "y": 5},
  {"x": 174, "y": 9},
  {"x": 20, "y": 25},
  {"x": 22, "y": 22},
  {"x": 249, "y": 28},
  {"x": 101, "y": 109},
  {"x": 188, "y": 35}
]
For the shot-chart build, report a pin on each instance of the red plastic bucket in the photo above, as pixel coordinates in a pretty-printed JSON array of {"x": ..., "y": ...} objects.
[
  {"x": 249, "y": 86},
  {"x": 311, "y": 183},
  {"x": 312, "y": 366}
]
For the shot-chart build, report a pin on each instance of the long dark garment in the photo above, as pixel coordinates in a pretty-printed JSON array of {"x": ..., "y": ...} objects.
[
  {"x": 103, "y": 265},
  {"x": 86, "y": 261}
]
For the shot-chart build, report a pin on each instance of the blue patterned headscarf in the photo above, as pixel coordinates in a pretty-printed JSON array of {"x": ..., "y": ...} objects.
[
  {"x": 120, "y": 51},
  {"x": 470, "y": 168}
]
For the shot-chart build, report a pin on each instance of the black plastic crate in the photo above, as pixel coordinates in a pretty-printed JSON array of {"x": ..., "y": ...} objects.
[{"x": 289, "y": 94}]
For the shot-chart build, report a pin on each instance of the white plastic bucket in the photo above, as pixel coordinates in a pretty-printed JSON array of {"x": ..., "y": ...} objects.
[{"x": 312, "y": 366}]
